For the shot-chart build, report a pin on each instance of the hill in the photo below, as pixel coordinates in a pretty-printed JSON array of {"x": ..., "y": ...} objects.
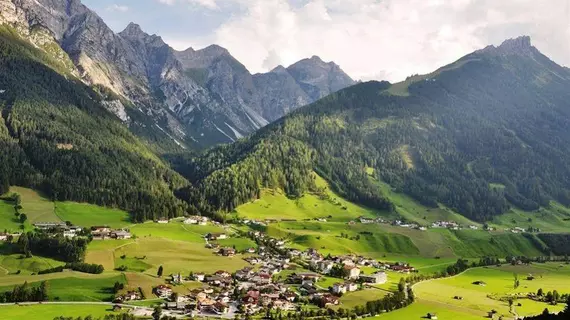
[
  {"x": 481, "y": 136},
  {"x": 57, "y": 136}
]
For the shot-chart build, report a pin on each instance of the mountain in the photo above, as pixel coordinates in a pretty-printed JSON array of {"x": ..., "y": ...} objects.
[
  {"x": 57, "y": 136},
  {"x": 196, "y": 98},
  {"x": 481, "y": 135}
]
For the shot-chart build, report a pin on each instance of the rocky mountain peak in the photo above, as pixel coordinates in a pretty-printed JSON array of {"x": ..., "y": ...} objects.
[
  {"x": 520, "y": 46},
  {"x": 133, "y": 30}
]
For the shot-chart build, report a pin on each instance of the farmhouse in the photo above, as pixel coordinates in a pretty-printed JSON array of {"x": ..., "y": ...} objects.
[
  {"x": 3, "y": 236},
  {"x": 198, "y": 276},
  {"x": 162, "y": 220},
  {"x": 199, "y": 220},
  {"x": 379, "y": 277},
  {"x": 216, "y": 236},
  {"x": 163, "y": 291},
  {"x": 227, "y": 252},
  {"x": 352, "y": 272},
  {"x": 120, "y": 234}
]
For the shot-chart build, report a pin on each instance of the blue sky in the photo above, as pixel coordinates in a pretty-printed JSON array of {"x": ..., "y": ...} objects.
[{"x": 369, "y": 39}]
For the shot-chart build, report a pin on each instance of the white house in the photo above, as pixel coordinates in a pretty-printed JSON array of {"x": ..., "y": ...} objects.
[
  {"x": 339, "y": 288},
  {"x": 352, "y": 272},
  {"x": 3, "y": 236},
  {"x": 379, "y": 277}
]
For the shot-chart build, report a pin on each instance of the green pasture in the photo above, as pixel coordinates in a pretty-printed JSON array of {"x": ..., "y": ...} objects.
[{"x": 88, "y": 215}]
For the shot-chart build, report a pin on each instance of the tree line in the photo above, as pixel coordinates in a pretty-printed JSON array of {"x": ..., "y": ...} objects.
[{"x": 26, "y": 293}]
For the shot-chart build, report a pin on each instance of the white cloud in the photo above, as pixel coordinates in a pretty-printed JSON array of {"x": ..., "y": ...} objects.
[
  {"x": 208, "y": 4},
  {"x": 117, "y": 8},
  {"x": 389, "y": 39}
]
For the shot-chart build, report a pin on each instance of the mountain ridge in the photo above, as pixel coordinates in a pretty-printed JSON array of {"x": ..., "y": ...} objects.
[
  {"x": 487, "y": 119},
  {"x": 200, "y": 97}
]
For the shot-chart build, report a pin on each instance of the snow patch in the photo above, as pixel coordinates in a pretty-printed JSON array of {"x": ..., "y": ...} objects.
[{"x": 236, "y": 133}]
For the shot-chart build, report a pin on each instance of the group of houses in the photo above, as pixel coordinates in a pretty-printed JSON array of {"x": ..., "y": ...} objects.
[
  {"x": 68, "y": 231},
  {"x": 105, "y": 232}
]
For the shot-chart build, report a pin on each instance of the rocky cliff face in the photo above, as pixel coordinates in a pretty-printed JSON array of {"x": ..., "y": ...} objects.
[{"x": 202, "y": 97}]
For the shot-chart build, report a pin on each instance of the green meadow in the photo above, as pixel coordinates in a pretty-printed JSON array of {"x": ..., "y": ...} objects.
[
  {"x": 88, "y": 215},
  {"x": 499, "y": 282},
  {"x": 49, "y": 312},
  {"x": 71, "y": 288},
  {"x": 274, "y": 204},
  {"x": 36, "y": 207}
]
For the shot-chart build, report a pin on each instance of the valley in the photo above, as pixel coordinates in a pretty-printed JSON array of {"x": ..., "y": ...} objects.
[{"x": 331, "y": 225}]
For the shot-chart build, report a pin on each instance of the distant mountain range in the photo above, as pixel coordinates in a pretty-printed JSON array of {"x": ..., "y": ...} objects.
[
  {"x": 482, "y": 135},
  {"x": 197, "y": 97}
]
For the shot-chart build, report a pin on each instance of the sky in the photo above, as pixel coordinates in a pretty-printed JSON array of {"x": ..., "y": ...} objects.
[{"x": 369, "y": 39}]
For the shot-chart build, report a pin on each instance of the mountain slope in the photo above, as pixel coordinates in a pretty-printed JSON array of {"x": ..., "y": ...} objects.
[
  {"x": 480, "y": 135},
  {"x": 198, "y": 98},
  {"x": 57, "y": 136}
]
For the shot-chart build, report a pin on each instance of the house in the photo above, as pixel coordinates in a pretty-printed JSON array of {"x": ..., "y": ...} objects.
[
  {"x": 379, "y": 277},
  {"x": 3, "y": 236},
  {"x": 176, "y": 278},
  {"x": 365, "y": 220},
  {"x": 162, "y": 220},
  {"x": 69, "y": 234},
  {"x": 352, "y": 272},
  {"x": 223, "y": 274},
  {"x": 220, "y": 308},
  {"x": 120, "y": 234},
  {"x": 325, "y": 266},
  {"x": 329, "y": 299},
  {"x": 227, "y": 252},
  {"x": 351, "y": 286},
  {"x": 198, "y": 277},
  {"x": 339, "y": 288},
  {"x": 432, "y": 316},
  {"x": 163, "y": 291},
  {"x": 216, "y": 236},
  {"x": 309, "y": 276},
  {"x": 251, "y": 250}
]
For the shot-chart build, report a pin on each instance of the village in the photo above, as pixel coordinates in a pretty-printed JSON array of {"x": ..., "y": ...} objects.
[{"x": 279, "y": 279}]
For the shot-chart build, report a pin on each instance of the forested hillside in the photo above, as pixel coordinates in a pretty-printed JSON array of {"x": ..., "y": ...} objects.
[
  {"x": 56, "y": 136},
  {"x": 485, "y": 133}
]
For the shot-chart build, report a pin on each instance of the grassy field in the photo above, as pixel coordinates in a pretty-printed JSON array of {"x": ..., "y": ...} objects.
[
  {"x": 178, "y": 256},
  {"x": 174, "y": 231},
  {"x": 239, "y": 243},
  {"x": 7, "y": 219},
  {"x": 499, "y": 282},
  {"x": 103, "y": 252},
  {"x": 77, "y": 289},
  {"x": 358, "y": 298},
  {"x": 49, "y": 312},
  {"x": 35, "y": 206},
  {"x": 553, "y": 219},
  {"x": 88, "y": 215},
  {"x": 419, "y": 309},
  {"x": 275, "y": 205},
  {"x": 11, "y": 264}
]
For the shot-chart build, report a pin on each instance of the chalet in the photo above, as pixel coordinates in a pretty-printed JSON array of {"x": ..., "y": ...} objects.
[
  {"x": 351, "y": 286},
  {"x": 227, "y": 252},
  {"x": 163, "y": 291},
  {"x": 216, "y": 236},
  {"x": 379, "y": 277},
  {"x": 176, "y": 278},
  {"x": 162, "y": 221},
  {"x": 198, "y": 276},
  {"x": 120, "y": 234},
  {"x": 290, "y": 296},
  {"x": 251, "y": 250},
  {"x": 352, "y": 272},
  {"x": 325, "y": 266},
  {"x": 69, "y": 234},
  {"x": 223, "y": 274},
  {"x": 3, "y": 236},
  {"x": 365, "y": 220},
  {"x": 339, "y": 288},
  {"x": 308, "y": 276}
]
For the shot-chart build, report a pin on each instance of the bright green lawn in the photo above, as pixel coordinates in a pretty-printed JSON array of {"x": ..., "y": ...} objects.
[
  {"x": 133, "y": 264},
  {"x": 553, "y": 219},
  {"x": 35, "y": 206},
  {"x": 8, "y": 220},
  {"x": 350, "y": 300},
  {"x": 16, "y": 262},
  {"x": 49, "y": 312},
  {"x": 88, "y": 215},
  {"x": 499, "y": 282},
  {"x": 239, "y": 243},
  {"x": 79, "y": 289},
  {"x": 420, "y": 309},
  {"x": 175, "y": 231}
]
